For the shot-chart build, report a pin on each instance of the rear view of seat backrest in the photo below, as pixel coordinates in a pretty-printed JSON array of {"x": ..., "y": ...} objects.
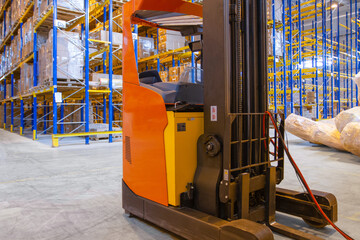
[{"x": 189, "y": 93}]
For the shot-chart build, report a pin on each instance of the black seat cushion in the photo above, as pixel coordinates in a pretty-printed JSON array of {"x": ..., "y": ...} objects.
[
  {"x": 166, "y": 86},
  {"x": 149, "y": 77},
  {"x": 148, "y": 80},
  {"x": 168, "y": 96},
  {"x": 189, "y": 93}
]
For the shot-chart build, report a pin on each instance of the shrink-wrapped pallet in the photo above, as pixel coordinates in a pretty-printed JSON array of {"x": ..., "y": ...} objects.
[
  {"x": 346, "y": 117},
  {"x": 26, "y": 77},
  {"x": 300, "y": 127},
  {"x": 350, "y": 138},
  {"x": 322, "y": 132},
  {"x": 70, "y": 58},
  {"x": 327, "y": 134}
]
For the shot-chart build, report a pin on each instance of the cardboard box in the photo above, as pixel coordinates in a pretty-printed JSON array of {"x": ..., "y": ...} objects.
[
  {"x": 103, "y": 35},
  {"x": 164, "y": 76},
  {"x": 174, "y": 78},
  {"x": 174, "y": 71},
  {"x": 310, "y": 98}
]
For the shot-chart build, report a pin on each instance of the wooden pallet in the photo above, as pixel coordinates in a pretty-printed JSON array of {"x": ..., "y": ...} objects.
[
  {"x": 63, "y": 83},
  {"x": 96, "y": 138},
  {"x": 63, "y": 14}
]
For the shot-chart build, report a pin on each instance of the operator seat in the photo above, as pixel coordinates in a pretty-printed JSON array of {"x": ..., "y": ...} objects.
[{"x": 188, "y": 93}]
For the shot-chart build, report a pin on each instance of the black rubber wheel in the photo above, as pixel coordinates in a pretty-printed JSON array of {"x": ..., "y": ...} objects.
[{"x": 315, "y": 224}]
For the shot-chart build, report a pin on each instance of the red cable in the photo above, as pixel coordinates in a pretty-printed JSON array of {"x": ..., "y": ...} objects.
[{"x": 293, "y": 163}]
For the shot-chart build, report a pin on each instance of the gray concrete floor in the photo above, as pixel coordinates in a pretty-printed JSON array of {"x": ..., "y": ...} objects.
[{"x": 74, "y": 192}]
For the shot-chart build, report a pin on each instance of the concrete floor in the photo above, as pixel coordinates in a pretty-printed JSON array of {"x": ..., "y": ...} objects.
[{"x": 74, "y": 192}]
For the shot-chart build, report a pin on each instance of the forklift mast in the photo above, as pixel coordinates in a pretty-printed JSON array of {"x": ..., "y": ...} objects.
[{"x": 233, "y": 154}]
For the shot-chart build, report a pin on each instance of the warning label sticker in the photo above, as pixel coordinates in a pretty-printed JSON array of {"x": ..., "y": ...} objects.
[{"x": 214, "y": 113}]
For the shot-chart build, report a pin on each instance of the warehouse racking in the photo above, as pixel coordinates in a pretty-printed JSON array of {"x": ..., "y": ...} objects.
[
  {"x": 62, "y": 104},
  {"x": 305, "y": 35}
]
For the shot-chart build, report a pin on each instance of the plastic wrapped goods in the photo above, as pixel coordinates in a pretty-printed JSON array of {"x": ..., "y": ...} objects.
[
  {"x": 322, "y": 132},
  {"x": 300, "y": 127},
  {"x": 350, "y": 138},
  {"x": 327, "y": 134},
  {"x": 346, "y": 117}
]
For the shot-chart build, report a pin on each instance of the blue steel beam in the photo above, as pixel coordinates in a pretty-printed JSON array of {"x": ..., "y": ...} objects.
[
  {"x": 274, "y": 54},
  {"x": 5, "y": 104},
  {"x": 317, "y": 64},
  {"x": 136, "y": 47},
  {"x": 291, "y": 84},
  {"x": 338, "y": 62},
  {"x": 55, "y": 115},
  {"x": 300, "y": 59},
  {"x": 87, "y": 71},
  {"x": 158, "y": 44},
  {"x": 347, "y": 59},
  {"x": 21, "y": 116},
  {"x": 332, "y": 60},
  {"x": 192, "y": 60},
  {"x": 324, "y": 38},
  {"x": 351, "y": 57},
  {"x": 104, "y": 71},
  {"x": 12, "y": 102},
  {"x": 284, "y": 85},
  {"x": 357, "y": 50},
  {"x": 111, "y": 70},
  {"x": 35, "y": 75}
]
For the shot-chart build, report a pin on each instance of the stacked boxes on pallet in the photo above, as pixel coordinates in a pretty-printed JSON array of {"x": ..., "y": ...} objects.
[
  {"x": 164, "y": 75},
  {"x": 15, "y": 52},
  {"x": 101, "y": 80},
  {"x": 8, "y": 89},
  {"x": 8, "y": 22},
  {"x": 26, "y": 78},
  {"x": 146, "y": 47},
  {"x": 176, "y": 72},
  {"x": 18, "y": 8},
  {"x": 70, "y": 58},
  {"x": 170, "y": 40},
  {"x": 74, "y": 5},
  {"x": 28, "y": 37}
]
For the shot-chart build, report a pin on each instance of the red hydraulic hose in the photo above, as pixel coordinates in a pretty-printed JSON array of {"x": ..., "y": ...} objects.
[{"x": 293, "y": 163}]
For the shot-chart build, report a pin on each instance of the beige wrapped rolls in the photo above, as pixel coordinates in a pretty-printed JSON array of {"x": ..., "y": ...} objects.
[
  {"x": 346, "y": 117},
  {"x": 322, "y": 132},
  {"x": 350, "y": 138},
  {"x": 327, "y": 134},
  {"x": 301, "y": 127}
]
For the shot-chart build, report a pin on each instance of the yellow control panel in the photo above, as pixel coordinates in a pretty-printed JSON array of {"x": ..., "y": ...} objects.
[{"x": 181, "y": 135}]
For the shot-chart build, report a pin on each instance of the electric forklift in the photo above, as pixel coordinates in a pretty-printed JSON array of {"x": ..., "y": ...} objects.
[{"x": 201, "y": 158}]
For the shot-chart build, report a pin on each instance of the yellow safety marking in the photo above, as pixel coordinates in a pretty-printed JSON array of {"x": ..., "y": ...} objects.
[
  {"x": 55, "y": 137},
  {"x": 355, "y": 217},
  {"x": 34, "y": 135},
  {"x": 99, "y": 41}
]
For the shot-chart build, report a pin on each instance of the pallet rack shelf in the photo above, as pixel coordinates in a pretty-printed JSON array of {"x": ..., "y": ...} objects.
[
  {"x": 51, "y": 107},
  {"x": 314, "y": 56}
]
